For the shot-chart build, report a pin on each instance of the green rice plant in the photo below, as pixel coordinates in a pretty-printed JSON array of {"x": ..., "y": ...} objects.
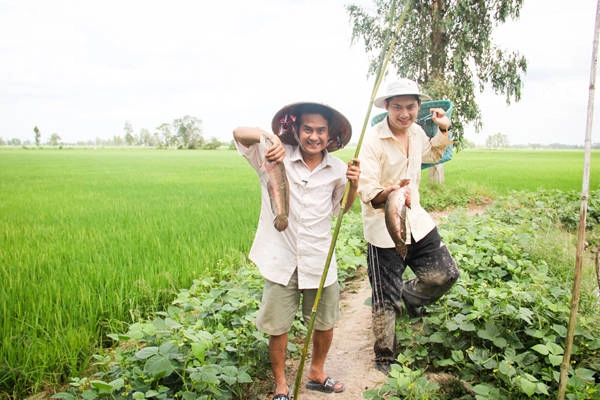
[
  {"x": 92, "y": 239},
  {"x": 476, "y": 175},
  {"x": 504, "y": 170}
]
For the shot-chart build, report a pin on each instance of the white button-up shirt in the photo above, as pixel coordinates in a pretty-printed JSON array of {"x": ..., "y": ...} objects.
[
  {"x": 383, "y": 163},
  {"x": 315, "y": 198}
]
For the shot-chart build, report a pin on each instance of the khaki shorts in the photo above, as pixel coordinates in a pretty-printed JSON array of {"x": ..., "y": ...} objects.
[{"x": 280, "y": 305}]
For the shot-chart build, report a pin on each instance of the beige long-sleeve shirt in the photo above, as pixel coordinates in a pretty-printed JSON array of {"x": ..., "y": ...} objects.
[{"x": 384, "y": 163}]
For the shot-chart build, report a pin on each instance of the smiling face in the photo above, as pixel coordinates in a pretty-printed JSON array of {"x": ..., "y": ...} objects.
[
  {"x": 313, "y": 134},
  {"x": 402, "y": 112}
]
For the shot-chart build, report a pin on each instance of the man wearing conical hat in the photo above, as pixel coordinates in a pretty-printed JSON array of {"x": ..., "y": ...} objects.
[
  {"x": 391, "y": 157},
  {"x": 291, "y": 250}
]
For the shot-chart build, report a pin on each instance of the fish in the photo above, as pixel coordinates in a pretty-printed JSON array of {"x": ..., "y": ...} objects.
[
  {"x": 278, "y": 188},
  {"x": 395, "y": 216}
]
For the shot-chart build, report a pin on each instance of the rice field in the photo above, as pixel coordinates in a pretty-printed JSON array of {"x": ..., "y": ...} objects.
[
  {"x": 89, "y": 239},
  {"x": 506, "y": 170},
  {"x": 93, "y": 239}
]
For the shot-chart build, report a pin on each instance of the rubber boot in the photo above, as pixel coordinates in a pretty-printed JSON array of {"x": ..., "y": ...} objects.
[{"x": 384, "y": 330}]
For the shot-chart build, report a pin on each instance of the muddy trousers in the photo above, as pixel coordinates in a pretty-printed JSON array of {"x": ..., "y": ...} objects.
[{"x": 435, "y": 273}]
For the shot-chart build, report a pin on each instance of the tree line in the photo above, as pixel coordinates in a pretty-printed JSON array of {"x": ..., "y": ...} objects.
[{"x": 181, "y": 133}]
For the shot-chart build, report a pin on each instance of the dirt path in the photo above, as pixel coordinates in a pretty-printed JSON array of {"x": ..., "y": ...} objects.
[{"x": 350, "y": 358}]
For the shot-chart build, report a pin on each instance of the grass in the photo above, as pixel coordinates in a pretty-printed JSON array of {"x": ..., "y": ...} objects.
[
  {"x": 93, "y": 239},
  {"x": 501, "y": 171},
  {"x": 506, "y": 170}
]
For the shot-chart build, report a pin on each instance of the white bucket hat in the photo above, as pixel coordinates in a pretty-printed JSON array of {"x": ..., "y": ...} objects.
[{"x": 401, "y": 87}]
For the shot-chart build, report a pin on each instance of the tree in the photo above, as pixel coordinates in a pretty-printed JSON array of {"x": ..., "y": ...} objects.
[
  {"x": 164, "y": 132},
  {"x": 188, "y": 132},
  {"x": 117, "y": 141},
  {"x": 147, "y": 139},
  {"x": 212, "y": 144},
  {"x": 496, "y": 141},
  {"x": 54, "y": 139},
  {"x": 447, "y": 47},
  {"x": 37, "y": 135},
  {"x": 129, "y": 138}
]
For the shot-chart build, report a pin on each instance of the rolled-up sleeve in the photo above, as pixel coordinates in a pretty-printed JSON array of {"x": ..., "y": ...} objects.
[
  {"x": 370, "y": 180},
  {"x": 433, "y": 148}
]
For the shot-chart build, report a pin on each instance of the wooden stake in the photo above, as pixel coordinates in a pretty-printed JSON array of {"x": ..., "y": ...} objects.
[{"x": 564, "y": 366}]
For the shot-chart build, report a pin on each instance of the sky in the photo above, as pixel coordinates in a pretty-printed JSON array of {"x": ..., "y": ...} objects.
[{"x": 83, "y": 69}]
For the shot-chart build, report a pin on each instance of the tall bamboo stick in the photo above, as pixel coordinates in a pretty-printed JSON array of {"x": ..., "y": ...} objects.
[{"x": 564, "y": 366}]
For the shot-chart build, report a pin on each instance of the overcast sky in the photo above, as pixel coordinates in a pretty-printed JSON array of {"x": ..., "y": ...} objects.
[{"x": 82, "y": 69}]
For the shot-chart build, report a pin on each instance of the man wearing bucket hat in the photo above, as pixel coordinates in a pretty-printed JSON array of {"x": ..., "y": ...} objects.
[
  {"x": 292, "y": 260},
  {"x": 393, "y": 153}
]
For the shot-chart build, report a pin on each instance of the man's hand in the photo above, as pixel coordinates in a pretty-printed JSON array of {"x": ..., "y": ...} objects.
[
  {"x": 276, "y": 153},
  {"x": 379, "y": 200},
  {"x": 353, "y": 172},
  {"x": 439, "y": 117}
]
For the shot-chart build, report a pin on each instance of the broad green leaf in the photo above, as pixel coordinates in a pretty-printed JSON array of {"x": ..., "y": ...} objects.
[
  {"x": 91, "y": 394},
  {"x": 208, "y": 375},
  {"x": 585, "y": 374},
  {"x": 536, "y": 333},
  {"x": 168, "y": 348},
  {"x": 97, "y": 384},
  {"x": 542, "y": 388},
  {"x": 498, "y": 259},
  {"x": 146, "y": 352},
  {"x": 555, "y": 360},
  {"x": 500, "y": 342},
  {"x": 506, "y": 368},
  {"x": 560, "y": 330},
  {"x": 117, "y": 384},
  {"x": 159, "y": 366},
  {"x": 172, "y": 324},
  {"x": 451, "y": 325},
  {"x": 458, "y": 355},
  {"x": 482, "y": 389},
  {"x": 541, "y": 348},
  {"x": 478, "y": 355},
  {"x": 527, "y": 386},
  {"x": 445, "y": 362},
  {"x": 437, "y": 337},
  {"x": 490, "y": 363},
  {"x": 525, "y": 314},
  {"x": 198, "y": 350},
  {"x": 243, "y": 377},
  {"x": 555, "y": 348},
  {"x": 468, "y": 327}
]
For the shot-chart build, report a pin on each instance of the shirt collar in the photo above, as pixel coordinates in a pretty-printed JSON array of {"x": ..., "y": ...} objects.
[
  {"x": 295, "y": 154},
  {"x": 383, "y": 131}
]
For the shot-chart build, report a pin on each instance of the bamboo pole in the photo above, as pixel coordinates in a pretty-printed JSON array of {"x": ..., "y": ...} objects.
[
  {"x": 564, "y": 366},
  {"x": 380, "y": 73}
]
